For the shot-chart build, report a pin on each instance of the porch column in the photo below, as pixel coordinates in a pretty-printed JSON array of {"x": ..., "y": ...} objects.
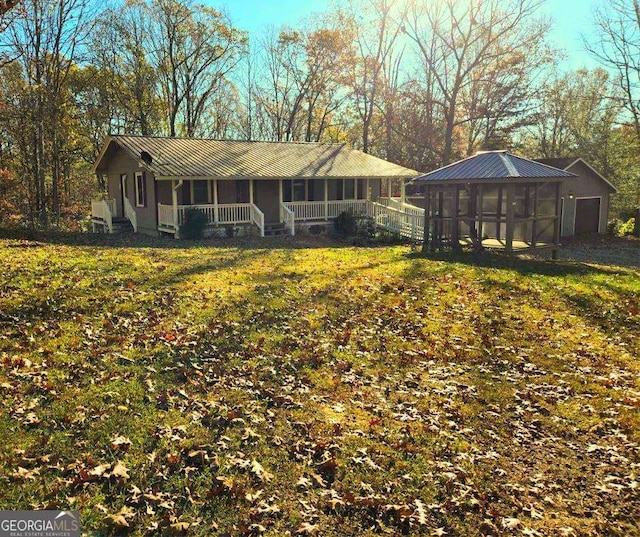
[
  {"x": 174, "y": 201},
  {"x": 280, "y": 191},
  {"x": 215, "y": 202},
  {"x": 326, "y": 199},
  {"x": 403, "y": 194},
  {"x": 355, "y": 189},
  {"x": 368, "y": 196},
  {"x": 455, "y": 223},
  {"x": 251, "y": 191},
  {"x": 389, "y": 194}
]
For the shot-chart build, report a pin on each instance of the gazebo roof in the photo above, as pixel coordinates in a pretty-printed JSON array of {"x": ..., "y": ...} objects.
[{"x": 492, "y": 166}]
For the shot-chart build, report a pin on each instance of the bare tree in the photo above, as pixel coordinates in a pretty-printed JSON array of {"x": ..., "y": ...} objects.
[
  {"x": 195, "y": 47},
  {"x": 376, "y": 33},
  {"x": 618, "y": 49},
  {"x": 459, "y": 40}
]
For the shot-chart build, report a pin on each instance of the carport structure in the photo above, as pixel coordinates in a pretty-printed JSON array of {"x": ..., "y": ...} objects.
[{"x": 492, "y": 200}]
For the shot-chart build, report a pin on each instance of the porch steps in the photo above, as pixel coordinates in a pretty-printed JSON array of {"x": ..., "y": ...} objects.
[
  {"x": 118, "y": 225},
  {"x": 276, "y": 229},
  {"x": 121, "y": 225}
]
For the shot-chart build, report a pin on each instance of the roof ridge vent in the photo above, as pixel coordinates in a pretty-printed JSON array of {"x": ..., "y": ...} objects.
[{"x": 508, "y": 164}]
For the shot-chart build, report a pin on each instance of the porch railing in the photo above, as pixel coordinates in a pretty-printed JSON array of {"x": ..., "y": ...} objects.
[
  {"x": 323, "y": 210},
  {"x": 257, "y": 218},
  {"x": 406, "y": 224},
  {"x": 230, "y": 213},
  {"x": 130, "y": 214},
  {"x": 104, "y": 210},
  {"x": 288, "y": 218}
]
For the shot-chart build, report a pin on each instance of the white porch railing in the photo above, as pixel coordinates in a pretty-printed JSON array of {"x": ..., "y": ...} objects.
[
  {"x": 130, "y": 214},
  {"x": 396, "y": 203},
  {"x": 257, "y": 218},
  {"x": 104, "y": 210},
  {"x": 165, "y": 216},
  {"x": 288, "y": 218},
  {"x": 406, "y": 224},
  {"x": 229, "y": 213},
  {"x": 323, "y": 210}
]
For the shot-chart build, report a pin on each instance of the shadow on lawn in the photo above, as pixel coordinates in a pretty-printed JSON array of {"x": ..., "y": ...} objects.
[
  {"x": 30, "y": 239},
  {"x": 523, "y": 266}
]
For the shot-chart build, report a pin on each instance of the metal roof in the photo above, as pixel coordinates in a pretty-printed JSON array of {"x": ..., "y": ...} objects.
[
  {"x": 207, "y": 158},
  {"x": 493, "y": 165},
  {"x": 565, "y": 163}
]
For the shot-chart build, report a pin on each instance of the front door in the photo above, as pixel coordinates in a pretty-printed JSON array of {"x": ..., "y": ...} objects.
[
  {"x": 266, "y": 196},
  {"x": 123, "y": 192}
]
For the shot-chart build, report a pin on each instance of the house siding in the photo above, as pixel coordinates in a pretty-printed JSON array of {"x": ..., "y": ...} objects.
[
  {"x": 121, "y": 163},
  {"x": 586, "y": 185}
]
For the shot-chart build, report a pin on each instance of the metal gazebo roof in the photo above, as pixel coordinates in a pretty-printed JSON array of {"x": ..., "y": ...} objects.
[{"x": 492, "y": 166}]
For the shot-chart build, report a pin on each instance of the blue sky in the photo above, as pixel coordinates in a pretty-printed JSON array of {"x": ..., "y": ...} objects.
[{"x": 571, "y": 18}]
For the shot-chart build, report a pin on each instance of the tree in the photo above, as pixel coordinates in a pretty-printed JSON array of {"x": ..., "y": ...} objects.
[
  {"x": 463, "y": 44},
  {"x": 618, "y": 49},
  {"x": 376, "y": 33},
  {"x": 195, "y": 48},
  {"x": 46, "y": 40},
  {"x": 576, "y": 117}
]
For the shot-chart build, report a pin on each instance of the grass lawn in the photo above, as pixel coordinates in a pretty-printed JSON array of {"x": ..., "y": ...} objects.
[{"x": 284, "y": 387}]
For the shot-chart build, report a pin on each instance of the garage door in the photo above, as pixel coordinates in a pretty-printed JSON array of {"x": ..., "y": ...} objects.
[{"x": 587, "y": 215}]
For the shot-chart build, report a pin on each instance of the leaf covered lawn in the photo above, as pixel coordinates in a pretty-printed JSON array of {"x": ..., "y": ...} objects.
[{"x": 271, "y": 387}]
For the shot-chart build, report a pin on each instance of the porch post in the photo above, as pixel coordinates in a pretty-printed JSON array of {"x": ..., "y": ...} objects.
[
  {"x": 174, "y": 201},
  {"x": 215, "y": 202},
  {"x": 368, "y": 196},
  {"x": 326, "y": 199},
  {"x": 280, "y": 191},
  {"x": 403, "y": 194},
  {"x": 355, "y": 189},
  {"x": 251, "y": 191},
  {"x": 389, "y": 193}
]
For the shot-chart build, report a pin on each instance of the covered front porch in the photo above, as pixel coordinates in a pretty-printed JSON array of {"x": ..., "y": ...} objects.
[{"x": 267, "y": 204}]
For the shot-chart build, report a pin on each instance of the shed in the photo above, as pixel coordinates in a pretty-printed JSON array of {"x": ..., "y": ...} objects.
[
  {"x": 493, "y": 199},
  {"x": 584, "y": 198}
]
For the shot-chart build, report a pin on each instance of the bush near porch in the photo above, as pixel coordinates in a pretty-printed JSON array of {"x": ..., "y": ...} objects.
[{"x": 246, "y": 388}]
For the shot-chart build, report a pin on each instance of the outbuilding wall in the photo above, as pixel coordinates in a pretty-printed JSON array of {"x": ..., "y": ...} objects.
[{"x": 585, "y": 185}]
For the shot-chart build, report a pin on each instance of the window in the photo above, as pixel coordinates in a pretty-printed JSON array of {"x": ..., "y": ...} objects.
[
  {"x": 141, "y": 194},
  {"x": 242, "y": 191},
  {"x": 200, "y": 192},
  {"x": 299, "y": 190},
  {"x": 349, "y": 189}
]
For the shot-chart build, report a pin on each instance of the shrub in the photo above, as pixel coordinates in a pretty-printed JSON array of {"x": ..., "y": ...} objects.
[
  {"x": 618, "y": 228},
  {"x": 195, "y": 221},
  {"x": 627, "y": 228},
  {"x": 346, "y": 224},
  {"x": 349, "y": 225}
]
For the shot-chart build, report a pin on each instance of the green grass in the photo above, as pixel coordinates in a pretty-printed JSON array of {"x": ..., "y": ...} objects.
[{"x": 265, "y": 387}]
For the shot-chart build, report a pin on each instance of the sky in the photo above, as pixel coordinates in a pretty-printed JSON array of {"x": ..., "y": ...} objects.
[{"x": 571, "y": 18}]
